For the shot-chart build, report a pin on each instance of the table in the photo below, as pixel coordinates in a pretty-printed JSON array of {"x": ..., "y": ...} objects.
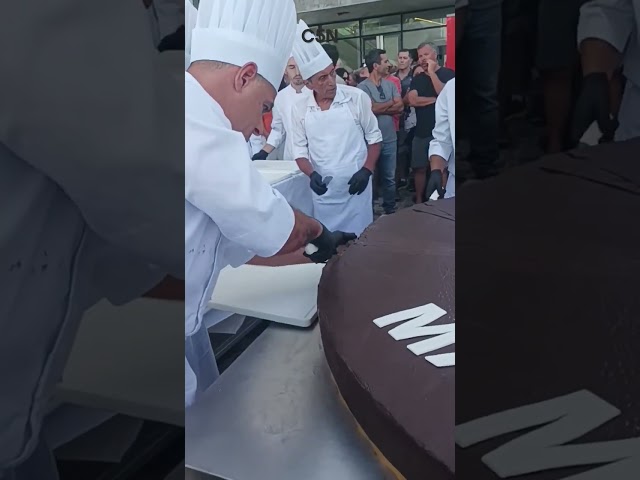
[{"x": 275, "y": 413}]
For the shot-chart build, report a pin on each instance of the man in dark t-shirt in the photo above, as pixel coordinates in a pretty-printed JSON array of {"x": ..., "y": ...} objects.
[{"x": 422, "y": 95}]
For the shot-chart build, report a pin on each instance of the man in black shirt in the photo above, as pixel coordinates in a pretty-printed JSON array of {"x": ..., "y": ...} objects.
[{"x": 422, "y": 95}]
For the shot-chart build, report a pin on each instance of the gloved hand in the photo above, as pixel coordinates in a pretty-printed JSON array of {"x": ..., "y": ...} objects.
[
  {"x": 593, "y": 105},
  {"x": 435, "y": 183},
  {"x": 316, "y": 184},
  {"x": 359, "y": 181},
  {"x": 327, "y": 244},
  {"x": 261, "y": 155}
]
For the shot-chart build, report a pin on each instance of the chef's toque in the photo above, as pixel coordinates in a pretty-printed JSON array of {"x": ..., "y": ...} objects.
[
  {"x": 242, "y": 31},
  {"x": 190, "y": 16},
  {"x": 310, "y": 57}
]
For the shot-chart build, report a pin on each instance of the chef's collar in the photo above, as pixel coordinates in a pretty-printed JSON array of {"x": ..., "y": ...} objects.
[{"x": 342, "y": 96}]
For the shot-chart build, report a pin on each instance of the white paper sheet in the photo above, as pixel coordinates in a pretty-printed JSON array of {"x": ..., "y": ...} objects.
[{"x": 286, "y": 294}]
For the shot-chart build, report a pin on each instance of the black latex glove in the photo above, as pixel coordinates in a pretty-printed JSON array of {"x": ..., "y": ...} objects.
[
  {"x": 435, "y": 184},
  {"x": 261, "y": 155},
  {"x": 327, "y": 244},
  {"x": 359, "y": 181},
  {"x": 593, "y": 105},
  {"x": 316, "y": 184}
]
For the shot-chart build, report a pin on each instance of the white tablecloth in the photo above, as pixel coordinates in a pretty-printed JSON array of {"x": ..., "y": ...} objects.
[{"x": 297, "y": 192}]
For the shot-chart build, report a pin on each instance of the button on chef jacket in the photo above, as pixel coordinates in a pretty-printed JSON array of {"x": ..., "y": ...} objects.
[
  {"x": 618, "y": 23},
  {"x": 66, "y": 239},
  {"x": 444, "y": 133},
  {"x": 231, "y": 213}
]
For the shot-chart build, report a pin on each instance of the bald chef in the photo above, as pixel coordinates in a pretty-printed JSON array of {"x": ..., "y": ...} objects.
[
  {"x": 336, "y": 141},
  {"x": 282, "y": 114},
  {"x": 239, "y": 49}
]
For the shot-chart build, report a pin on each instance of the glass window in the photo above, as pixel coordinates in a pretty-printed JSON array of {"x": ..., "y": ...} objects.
[
  {"x": 426, "y": 19},
  {"x": 389, "y": 42},
  {"x": 349, "y": 50},
  {"x": 374, "y": 26},
  {"x": 437, "y": 36},
  {"x": 345, "y": 29}
]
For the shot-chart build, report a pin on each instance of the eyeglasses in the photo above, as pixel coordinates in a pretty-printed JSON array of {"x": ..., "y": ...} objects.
[{"x": 381, "y": 93}]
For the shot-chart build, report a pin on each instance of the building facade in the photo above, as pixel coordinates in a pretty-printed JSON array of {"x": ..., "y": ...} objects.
[{"x": 357, "y": 26}]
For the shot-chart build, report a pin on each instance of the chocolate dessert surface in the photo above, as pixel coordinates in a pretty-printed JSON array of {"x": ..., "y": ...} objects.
[
  {"x": 404, "y": 403},
  {"x": 549, "y": 268}
]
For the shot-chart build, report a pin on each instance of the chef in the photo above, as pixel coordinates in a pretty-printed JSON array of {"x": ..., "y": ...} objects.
[
  {"x": 239, "y": 49},
  {"x": 608, "y": 36},
  {"x": 336, "y": 141},
  {"x": 442, "y": 149},
  {"x": 282, "y": 114}
]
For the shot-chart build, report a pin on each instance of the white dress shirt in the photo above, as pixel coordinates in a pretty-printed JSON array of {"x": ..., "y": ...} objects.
[
  {"x": 444, "y": 133},
  {"x": 231, "y": 211},
  {"x": 617, "y": 22},
  {"x": 359, "y": 105},
  {"x": 283, "y": 119}
]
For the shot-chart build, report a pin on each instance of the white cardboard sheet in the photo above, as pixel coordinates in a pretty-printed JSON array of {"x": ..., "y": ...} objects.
[{"x": 286, "y": 294}]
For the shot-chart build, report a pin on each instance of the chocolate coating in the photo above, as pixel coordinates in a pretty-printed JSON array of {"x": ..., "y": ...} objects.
[
  {"x": 404, "y": 404},
  {"x": 549, "y": 269}
]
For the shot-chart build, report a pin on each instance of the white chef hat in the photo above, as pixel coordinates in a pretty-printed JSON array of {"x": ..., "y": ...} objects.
[
  {"x": 190, "y": 16},
  {"x": 310, "y": 57},
  {"x": 242, "y": 31}
]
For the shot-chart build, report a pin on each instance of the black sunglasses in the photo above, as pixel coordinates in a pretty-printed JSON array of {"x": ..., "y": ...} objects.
[{"x": 381, "y": 93}]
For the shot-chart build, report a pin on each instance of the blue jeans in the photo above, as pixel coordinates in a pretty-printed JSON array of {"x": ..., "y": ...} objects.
[{"x": 386, "y": 167}]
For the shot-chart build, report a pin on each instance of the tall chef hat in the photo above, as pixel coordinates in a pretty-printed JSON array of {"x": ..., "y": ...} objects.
[
  {"x": 190, "y": 16},
  {"x": 310, "y": 57},
  {"x": 242, "y": 31}
]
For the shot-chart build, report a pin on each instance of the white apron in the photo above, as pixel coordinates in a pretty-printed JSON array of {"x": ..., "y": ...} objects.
[{"x": 337, "y": 148}]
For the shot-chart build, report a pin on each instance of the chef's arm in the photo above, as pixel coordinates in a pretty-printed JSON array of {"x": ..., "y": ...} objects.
[
  {"x": 416, "y": 101},
  {"x": 277, "y": 131},
  {"x": 441, "y": 147},
  {"x": 599, "y": 56},
  {"x": 373, "y": 153},
  {"x": 372, "y": 133},
  {"x": 305, "y": 166},
  {"x": 300, "y": 143},
  {"x": 604, "y": 30},
  {"x": 305, "y": 229}
]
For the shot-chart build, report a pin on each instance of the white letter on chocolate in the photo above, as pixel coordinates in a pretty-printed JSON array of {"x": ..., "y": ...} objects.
[
  {"x": 419, "y": 317},
  {"x": 565, "y": 420}
]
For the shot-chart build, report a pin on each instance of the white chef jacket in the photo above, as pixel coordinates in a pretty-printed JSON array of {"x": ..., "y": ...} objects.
[
  {"x": 283, "y": 119},
  {"x": 231, "y": 211},
  {"x": 256, "y": 143},
  {"x": 82, "y": 218},
  {"x": 443, "y": 143},
  {"x": 618, "y": 22},
  {"x": 358, "y": 103}
]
